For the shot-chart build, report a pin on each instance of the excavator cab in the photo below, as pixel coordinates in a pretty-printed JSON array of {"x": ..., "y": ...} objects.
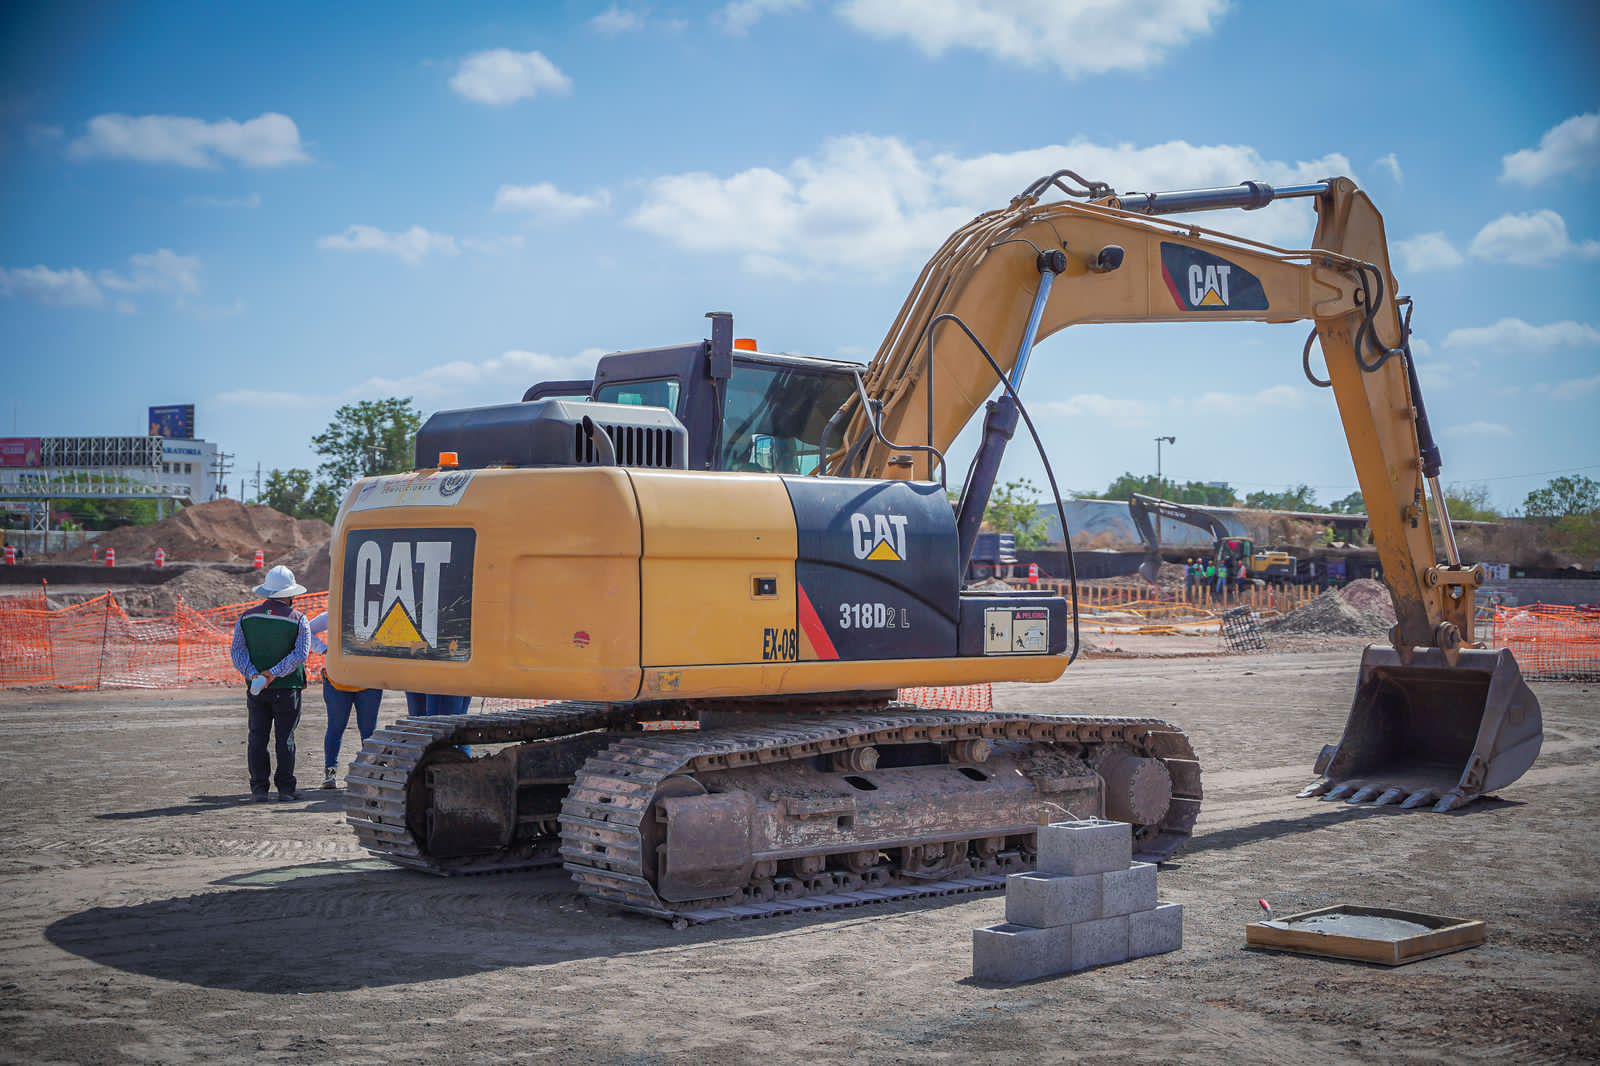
[{"x": 1426, "y": 731}]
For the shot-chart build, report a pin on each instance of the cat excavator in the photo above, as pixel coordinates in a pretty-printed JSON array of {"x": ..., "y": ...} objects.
[{"x": 712, "y": 572}]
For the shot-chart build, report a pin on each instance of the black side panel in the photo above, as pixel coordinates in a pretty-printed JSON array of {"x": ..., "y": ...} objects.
[
  {"x": 877, "y": 567},
  {"x": 408, "y": 593},
  {"x": 1014, "y": 623}
]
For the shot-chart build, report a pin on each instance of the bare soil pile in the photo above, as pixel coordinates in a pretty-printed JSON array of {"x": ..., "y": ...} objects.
[
  {"x": 1360, "y": 609},
  {"x": 310, "y": 566},
  {"x": 223, "y": 531},
  {"x": 201, "y": 587}
]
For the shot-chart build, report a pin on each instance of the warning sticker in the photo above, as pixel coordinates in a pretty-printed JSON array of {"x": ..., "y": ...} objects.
[
  {"x": 427, "y": 488},
  {"x": 1016, "y": 631}
]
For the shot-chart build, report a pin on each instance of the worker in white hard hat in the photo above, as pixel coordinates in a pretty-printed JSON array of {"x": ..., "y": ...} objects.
[{"x": 270, "y": 645}]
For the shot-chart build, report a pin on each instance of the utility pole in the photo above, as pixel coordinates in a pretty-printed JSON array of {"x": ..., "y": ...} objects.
[
  {"x": 1161, "y": 490},
  {"x": 220, "y": 469},
  {"x": 256, "y": 484}
]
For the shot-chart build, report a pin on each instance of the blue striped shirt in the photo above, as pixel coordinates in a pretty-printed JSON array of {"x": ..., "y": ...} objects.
[{"x": 289, "y": 663}]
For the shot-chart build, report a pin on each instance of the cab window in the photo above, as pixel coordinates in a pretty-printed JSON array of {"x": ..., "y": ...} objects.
[
  {"x": 662, "y": 392},
  {"x": 773, "y": 418}
]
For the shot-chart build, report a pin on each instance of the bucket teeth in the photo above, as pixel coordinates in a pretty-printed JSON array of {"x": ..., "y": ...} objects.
[
  {"x": 1316, "y": 788},
  {"x": 1452, "y": 799},
  {"x": 1418, "y": 798},
  {"x": 1364, "y": 795},
  {"x": 1339, "y": 792},
  {"x": 1392, "y": 795}
]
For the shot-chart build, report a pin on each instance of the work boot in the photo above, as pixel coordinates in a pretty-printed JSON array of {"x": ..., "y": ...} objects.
[
  {"x": 329, "y": 778},
  {"x": 288, "y": 797},
  {"x": 259, "y": 797}
]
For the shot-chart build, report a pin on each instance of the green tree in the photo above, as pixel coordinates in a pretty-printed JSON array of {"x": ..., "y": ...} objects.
[
  {"x": 1195, "y": 492},
  {"x": 295, "y": 493},
  {"x": 1354, "y": 503},
  {"x": 1563, "y": 497},
  {"x": 1298, "y": 498},
  {"x": 368, "y": 438},
  {"x": 1014, "y": 508},
  {"x": 1470, "y": 503}
]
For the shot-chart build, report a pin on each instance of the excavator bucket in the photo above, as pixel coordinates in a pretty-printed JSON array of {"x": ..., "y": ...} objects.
[
  {"x": 1150, "y": 569},
  {"x": 1429, "y": 732}
]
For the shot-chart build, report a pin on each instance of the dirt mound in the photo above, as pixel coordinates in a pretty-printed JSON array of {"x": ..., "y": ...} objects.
[
  {"x": 223, "y": 531},
  {"x": 201, "y": 587},
  {"x": 1360, "y": 609},
  {"x": 310, "y": 566}
]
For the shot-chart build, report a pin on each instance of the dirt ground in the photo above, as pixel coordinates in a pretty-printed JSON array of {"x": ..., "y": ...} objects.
[{"x": 150, "y": 915}]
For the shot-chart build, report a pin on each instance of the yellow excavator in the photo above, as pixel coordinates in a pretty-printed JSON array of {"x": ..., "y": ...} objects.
[{"x": 719, "y": 566}]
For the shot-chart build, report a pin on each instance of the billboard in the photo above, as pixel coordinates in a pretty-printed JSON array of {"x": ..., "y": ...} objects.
[
  {"x": 21, "y": 451},
  {"x": 173, "y": 421}
]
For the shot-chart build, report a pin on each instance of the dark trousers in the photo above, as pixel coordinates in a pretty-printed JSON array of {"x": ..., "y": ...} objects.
[
  {"x": 423, "y": 705},
  {"x": 365, "y": 703},
  {"x": 275, "y": 711}
]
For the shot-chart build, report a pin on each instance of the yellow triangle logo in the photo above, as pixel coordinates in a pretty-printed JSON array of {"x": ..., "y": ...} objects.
[
  {"x": 885, "y": 554},
  {"x": 397, "y": 630},
  {"x": 1213, "y": 298}
]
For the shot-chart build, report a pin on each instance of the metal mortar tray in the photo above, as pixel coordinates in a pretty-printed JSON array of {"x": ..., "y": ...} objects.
[{"x": 1366, "y": 934}]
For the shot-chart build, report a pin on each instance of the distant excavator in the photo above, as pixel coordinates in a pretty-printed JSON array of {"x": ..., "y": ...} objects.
[
  {"x": 1266, "y": 566},
  {"x": 764, "y": 547}
]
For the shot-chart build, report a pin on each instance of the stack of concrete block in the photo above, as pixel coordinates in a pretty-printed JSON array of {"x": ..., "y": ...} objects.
[{"x": 1088, "y": 904}]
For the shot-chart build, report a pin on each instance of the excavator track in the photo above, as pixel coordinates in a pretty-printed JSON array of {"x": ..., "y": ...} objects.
[
  {"x": 603, "y": 818},
  {"x": 377, "y": 786}
]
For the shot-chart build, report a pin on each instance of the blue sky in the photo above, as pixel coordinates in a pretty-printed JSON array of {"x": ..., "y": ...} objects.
[{"x": 272, "y": 211}]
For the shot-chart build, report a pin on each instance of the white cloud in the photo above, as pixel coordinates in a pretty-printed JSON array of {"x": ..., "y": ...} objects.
[
  {"x": 1428, "y": 251},
  {"x": 70, "y": 287},
  {"x": 1234, "y": 403},
  {"x": 504, "y": 376},
  {"x": 252, "y": 201},
  {"x": 1078, "y": 39},
  {"x": 737, "y": 18},
  {"x": 1513, "y": 334},
  {"x": 546, "y": 201},
  {"x": 159, "y": 271},
  {"x": 1573, "y": 388},
  {"x": 493, "y": 245},
  {"x": 266, "y": 399},
  {"x": 616, "y": 20},
  {"x": 1390, "y": 164},
  {"x": 873, "y": 205},
  {"x": 1097, "y": 405},
  {"x": 1532, "y": 239},
  {"x": 410, "y": 246},
  {"x": 1571, "y": 147},
  {"x": 500, "y": 76},
  {"x": 1478, "y": 429},
  {"x": 269, "y": 140},
  {"x": 73, "y": 287}
]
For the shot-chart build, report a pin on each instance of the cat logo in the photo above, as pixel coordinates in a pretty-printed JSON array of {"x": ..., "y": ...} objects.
[
  {"x": 1200, "y": 281},
  {"x": 408, "y": 593},
  {"x": 879, "y": 538},
  {"x": 1208, "y": 286}
]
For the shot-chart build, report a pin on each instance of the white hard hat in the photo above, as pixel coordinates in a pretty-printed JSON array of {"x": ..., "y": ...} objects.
[{"x": 279, "y": 584}]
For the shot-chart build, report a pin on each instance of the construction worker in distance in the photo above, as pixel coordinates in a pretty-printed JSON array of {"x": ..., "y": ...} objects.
[{"x": 270, "y": 644}]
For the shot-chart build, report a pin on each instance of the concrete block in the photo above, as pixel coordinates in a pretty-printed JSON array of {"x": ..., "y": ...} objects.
[
  {"x": 1042, "y": 901},
  {"x": 1130, "y": 890},
  {"x": 1100, "y": 943},
  {"x": 1092, "y": 846},
  {"x": 1155, "y": 932},
  {"x": 1007, "y": 954}
]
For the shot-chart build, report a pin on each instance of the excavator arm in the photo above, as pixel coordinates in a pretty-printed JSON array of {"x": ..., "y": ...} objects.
[
  {"x": 1426, "y": 708},
  {"x": 1147, "y": 512},
  {"x": 1096, "y": 262}
]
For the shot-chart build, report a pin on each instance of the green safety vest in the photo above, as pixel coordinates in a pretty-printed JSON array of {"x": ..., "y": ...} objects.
[{"x": 269, "y": 638}]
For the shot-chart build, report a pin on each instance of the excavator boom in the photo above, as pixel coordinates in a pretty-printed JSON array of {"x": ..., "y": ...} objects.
[{"x": 1015, "y": 276}]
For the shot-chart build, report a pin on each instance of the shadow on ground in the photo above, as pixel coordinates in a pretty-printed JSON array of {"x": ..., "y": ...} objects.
[
  {"x": 337, "y": 926},
  {"x": 1327, "y": 816},
  {"x": 316, "y": 802}
]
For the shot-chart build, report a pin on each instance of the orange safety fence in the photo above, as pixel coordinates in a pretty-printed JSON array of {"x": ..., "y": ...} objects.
[
  {"x": 96, "y": 645},
  {"x": 1551, "y": 643},
  {"x": 1202, "y": 600}
]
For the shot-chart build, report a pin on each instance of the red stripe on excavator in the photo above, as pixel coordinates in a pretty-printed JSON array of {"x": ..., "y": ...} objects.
[
  {"x": 815, "y": 632},
  {"x": 1172, "y": 287}
]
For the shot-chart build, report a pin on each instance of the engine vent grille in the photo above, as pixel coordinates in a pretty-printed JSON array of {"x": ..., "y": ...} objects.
[{"x": 642, "y": 446}]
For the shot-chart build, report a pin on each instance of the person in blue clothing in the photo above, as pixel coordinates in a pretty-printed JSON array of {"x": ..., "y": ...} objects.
[
  {"x": 270, "y": 644},
  {"x": 425, "y": 704},
  {"x": 340, "y": 701}
]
